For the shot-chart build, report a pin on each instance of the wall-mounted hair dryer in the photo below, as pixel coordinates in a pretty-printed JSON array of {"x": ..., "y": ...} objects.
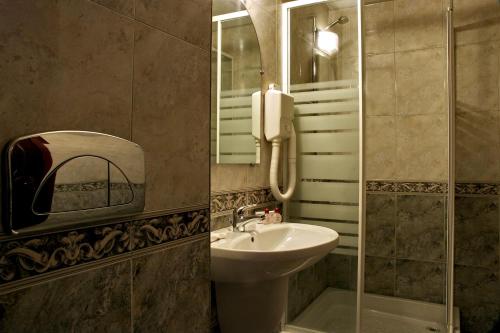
[{"x": 278, "y": 127}]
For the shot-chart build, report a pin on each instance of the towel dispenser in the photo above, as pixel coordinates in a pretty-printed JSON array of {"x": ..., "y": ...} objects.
[{"x": 56, "y": 179}]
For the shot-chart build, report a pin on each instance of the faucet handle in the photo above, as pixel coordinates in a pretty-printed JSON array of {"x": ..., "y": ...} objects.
[{"x": 242, "y": 209}]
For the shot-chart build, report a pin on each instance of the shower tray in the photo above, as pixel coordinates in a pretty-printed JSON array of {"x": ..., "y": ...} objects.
[{"x": 334, "y": 311}]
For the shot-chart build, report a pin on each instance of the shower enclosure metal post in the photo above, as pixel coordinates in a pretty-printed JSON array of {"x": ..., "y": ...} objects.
[
  {"x": 450, "y": 70},
  {"x": 362, "y": 175}
]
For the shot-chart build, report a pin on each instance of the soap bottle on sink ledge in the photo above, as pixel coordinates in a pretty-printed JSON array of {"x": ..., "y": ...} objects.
[
  {"x": 276, "y": 217},
  {"x": 272, "y": 217}
]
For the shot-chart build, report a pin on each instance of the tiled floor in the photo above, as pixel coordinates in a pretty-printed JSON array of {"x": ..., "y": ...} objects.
[{"x": 334, "y": 311}]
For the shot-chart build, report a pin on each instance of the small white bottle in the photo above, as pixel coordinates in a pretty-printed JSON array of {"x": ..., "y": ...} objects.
[
  {"x": 267, "y": 217},
  {"x": 277, "y": 218}
]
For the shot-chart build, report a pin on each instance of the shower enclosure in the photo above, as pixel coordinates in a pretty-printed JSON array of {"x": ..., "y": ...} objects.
[{"x": 398, "y": 133}]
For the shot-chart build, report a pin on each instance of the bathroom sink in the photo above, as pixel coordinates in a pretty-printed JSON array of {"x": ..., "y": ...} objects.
[
  {"x": 269, "y": 251},
  {"x": 251, "y": 271}
]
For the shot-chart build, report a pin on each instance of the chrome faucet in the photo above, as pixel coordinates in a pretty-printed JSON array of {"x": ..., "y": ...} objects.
[{"x": 240, "y": 218}]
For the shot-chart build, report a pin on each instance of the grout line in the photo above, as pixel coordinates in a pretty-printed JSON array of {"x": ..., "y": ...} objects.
[
  {"x": 445, "y": 252},
  {"x": 395, "y": 243},
  {"x": 375, "y": 2},
  {"x": 131, "y": 277},
  {"x": 497, "y": 49},
  {"x": 445, "y": 233},
  {"x": 172, "y": 36},
  {"x": 464, "y": 195},
  {"x": 408, "y": 193},
  {"x": 396, "y": 103},
  {"x": 416, "y": 260},
  {"x": 131, "y": 296},
  {"x": 209, "y": 132},
  {"x": 134, "y": 18},
  {"x": 470, "y": 43},
  {"x": 94, "y": 2},
  {"x": 133, "y": 84},
  {"x": 405, "y": 180}
]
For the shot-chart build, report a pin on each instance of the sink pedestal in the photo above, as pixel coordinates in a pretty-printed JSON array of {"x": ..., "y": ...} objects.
[{"x": 251, "y": 307}]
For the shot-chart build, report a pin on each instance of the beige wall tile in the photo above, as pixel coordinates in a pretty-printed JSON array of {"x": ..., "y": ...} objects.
[
  {"x": 348, "y": 32},
  {"x": 379, "y": 27},
  {"x": 69, "y": 65},
  {"x": 347, "y": 68},
  {"x": 78, "y": 77},
  {"x": 258, "y": 175},
  {"x": 477, "y": 73},
  {"x": 476, "y": 21},
  {"x": 422, "y": 147},
  {"x": 267, "y": 7},
  {"x": 419, "y": 24},
  {"x": 224, "y": 177},
  {"x": 221, "y": 7},
  {"x": 420, "y": 90},
  {"x": 380, "y": 145},
  {"x": 420, "y": 82},
  {"x": 242, "y": 44},
  {"x": 300, "y": 50},
  {"x": 187, "y": 20},
  {"x": 171, "y": 118},
  {"x": 266, "y": 34},
  {"x": 301, "y": 39},
  {"x": 477, "y": 145},
  {"x": 125, "y": 7},
  {"x": 380, "y": 97},
  {"x": 229, "y": 177}
]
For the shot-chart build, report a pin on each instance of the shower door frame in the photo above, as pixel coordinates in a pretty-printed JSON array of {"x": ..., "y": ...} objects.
[
  {"x": 285, "y": 84},
  {"x": 450, "y": 218}
]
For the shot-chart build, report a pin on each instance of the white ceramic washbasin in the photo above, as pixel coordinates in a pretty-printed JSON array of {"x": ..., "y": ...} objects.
[{"x": 269, "y": 252}]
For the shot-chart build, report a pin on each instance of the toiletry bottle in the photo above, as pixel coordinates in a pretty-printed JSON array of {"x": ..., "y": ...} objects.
[
  {"x": 267, "y": 216},
  {"x": 277, "y": 218}
]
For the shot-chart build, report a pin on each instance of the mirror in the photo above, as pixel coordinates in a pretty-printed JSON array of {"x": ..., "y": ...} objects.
[{"x": 236, "y": 76}]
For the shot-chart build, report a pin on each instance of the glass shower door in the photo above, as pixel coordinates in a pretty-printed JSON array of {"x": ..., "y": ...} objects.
[
  {"x": 320, "y": 66},
  {"x": 477, "y": 164},
  {"x": 406, "y": 261}
]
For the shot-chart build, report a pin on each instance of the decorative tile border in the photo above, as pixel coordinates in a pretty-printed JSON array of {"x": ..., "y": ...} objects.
[
  {"x": 406, "y": 187},
  {"x": 477, "y": 188},
  {"x": 35, "y": 255},
  {"x": 432, "y": 187},
  {"x": 227, "y": 201},
  {"x": 224, "y": 201}
]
